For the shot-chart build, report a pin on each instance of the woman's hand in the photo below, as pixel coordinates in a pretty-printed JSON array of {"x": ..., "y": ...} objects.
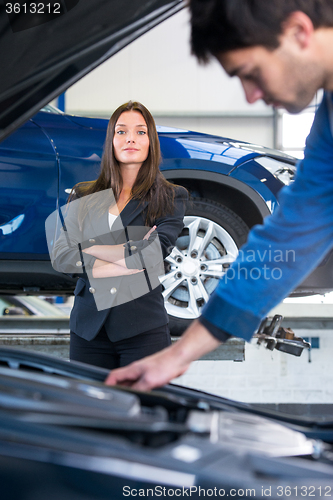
[
  {"x": 107, "y": 253},
  {"x": 103, "y": 269},
  {"x": 146, "y": 237}
]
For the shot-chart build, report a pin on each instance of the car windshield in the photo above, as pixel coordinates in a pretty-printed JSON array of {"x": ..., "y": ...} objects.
[{"x": 49, "y": 108}]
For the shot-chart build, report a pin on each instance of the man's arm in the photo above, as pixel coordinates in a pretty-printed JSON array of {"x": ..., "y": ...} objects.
[{"x": 160, "y": 368}]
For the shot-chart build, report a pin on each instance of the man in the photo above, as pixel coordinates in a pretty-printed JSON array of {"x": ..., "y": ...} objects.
[{"x": 282, "y": 52}]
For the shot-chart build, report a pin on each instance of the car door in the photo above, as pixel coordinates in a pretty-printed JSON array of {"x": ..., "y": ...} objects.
[{"x": 28, "y": 192}]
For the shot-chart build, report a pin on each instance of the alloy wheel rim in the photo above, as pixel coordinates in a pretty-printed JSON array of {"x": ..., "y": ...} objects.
[{"x": 203, "y": 253}]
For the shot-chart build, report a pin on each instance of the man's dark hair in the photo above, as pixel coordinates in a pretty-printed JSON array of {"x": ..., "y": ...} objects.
[{"x": 223, "y": 25}]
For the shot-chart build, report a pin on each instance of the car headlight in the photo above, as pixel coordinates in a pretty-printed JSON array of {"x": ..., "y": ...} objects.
[{"x": 283, "y": 171}]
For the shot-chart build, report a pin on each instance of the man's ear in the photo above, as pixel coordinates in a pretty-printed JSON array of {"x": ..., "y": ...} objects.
[{"x": 299, "y": 27}]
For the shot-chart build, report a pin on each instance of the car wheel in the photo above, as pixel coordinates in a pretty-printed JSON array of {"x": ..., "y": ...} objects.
[{"x": 205, "y": 249}]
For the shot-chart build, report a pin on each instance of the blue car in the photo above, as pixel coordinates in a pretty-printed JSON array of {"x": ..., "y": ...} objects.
[{"x": 233, "y": 186}]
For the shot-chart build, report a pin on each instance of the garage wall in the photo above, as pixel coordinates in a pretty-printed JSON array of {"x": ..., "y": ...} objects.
[
  {"x": 269, "y": 376},
  {"x": 158, "y": 70}
]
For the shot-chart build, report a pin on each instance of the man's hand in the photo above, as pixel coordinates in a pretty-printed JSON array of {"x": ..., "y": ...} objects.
[
  {"x": 147, "y": 373},
  {"x": 160, "y": 368}
]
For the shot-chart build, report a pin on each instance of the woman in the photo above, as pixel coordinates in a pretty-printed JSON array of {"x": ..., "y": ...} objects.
[{"x": 117, "y": 231}]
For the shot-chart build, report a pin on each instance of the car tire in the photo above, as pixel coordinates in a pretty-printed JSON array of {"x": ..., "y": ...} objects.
[{"x": 206, "y": 247}]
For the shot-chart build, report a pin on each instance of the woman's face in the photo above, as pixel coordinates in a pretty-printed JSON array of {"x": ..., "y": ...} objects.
[{"x": 131, "y": 141}]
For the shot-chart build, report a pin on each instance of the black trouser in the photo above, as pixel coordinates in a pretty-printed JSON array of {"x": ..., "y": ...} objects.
[{"x": 106, "y": 354}]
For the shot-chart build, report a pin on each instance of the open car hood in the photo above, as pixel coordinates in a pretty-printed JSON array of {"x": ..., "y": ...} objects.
[{"x": 42, "y": 54}]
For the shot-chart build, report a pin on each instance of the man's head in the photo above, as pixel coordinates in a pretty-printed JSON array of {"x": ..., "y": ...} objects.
[
  {"x": 273, "y": 46},
  {"x": 223, "y": 25}
]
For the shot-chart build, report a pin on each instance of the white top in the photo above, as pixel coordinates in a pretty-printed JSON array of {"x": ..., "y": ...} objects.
[{"x": 112, "y": 218}]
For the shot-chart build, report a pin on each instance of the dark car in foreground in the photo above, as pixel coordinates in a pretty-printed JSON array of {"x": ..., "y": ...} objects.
[
  {"x": 233, "y": 186},
  {"x": 66, "y": 435}
]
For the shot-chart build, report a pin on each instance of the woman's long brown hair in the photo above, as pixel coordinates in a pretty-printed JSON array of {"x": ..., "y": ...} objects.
[{"x": 150, "y": 185}]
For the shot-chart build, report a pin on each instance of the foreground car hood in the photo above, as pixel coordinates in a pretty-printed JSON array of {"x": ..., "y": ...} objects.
[
  {"x": 59, "y": 421},
  {"x": 45, "y": 54},
  {"x": 61, "y": 414}
]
